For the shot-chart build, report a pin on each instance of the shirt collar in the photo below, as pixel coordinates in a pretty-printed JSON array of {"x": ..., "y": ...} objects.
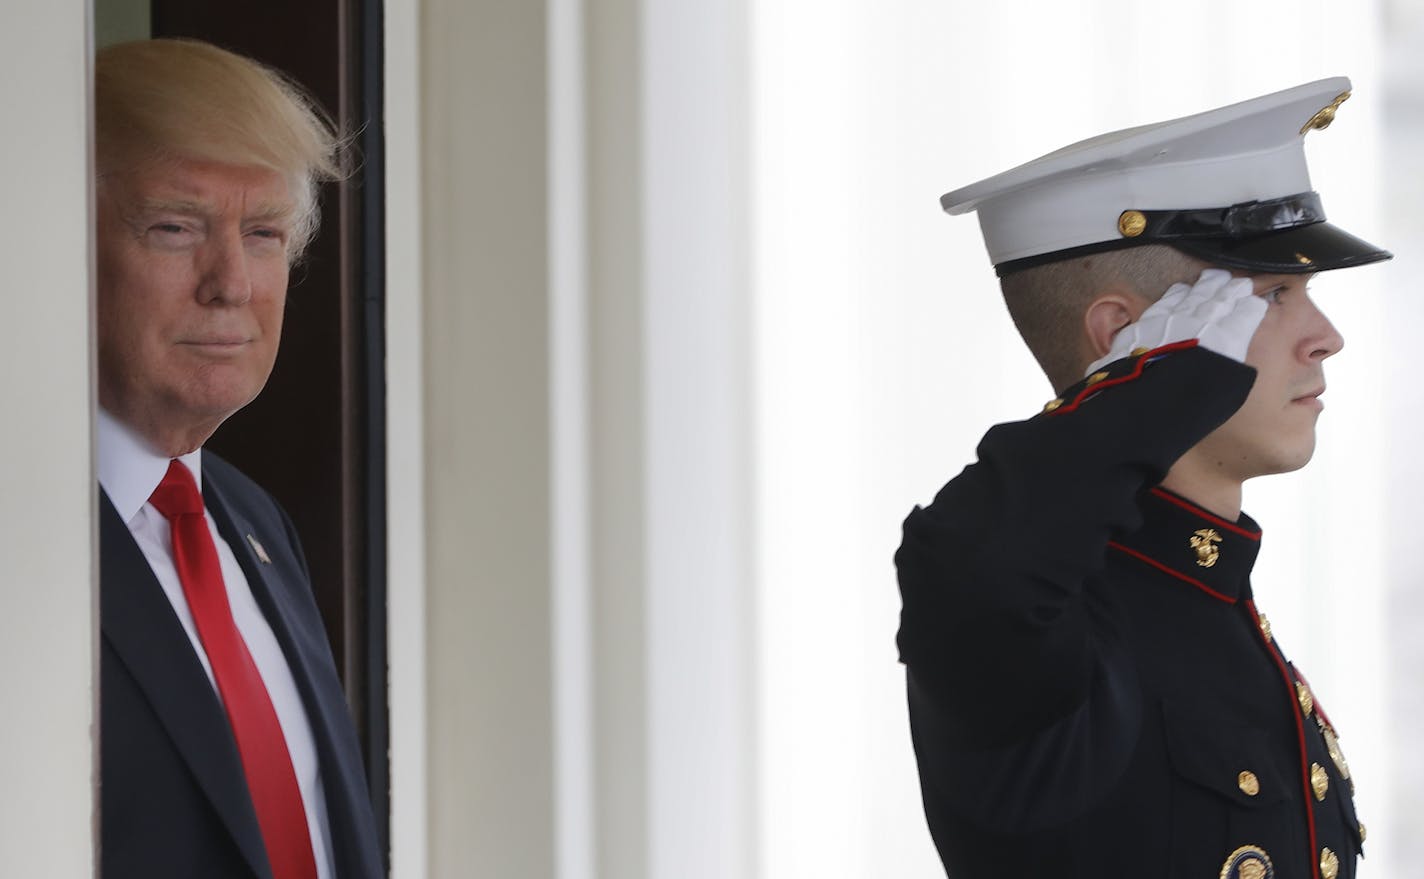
[
  {"x": 129, "y": 468},
  {"x": 1195, "y": 547}
]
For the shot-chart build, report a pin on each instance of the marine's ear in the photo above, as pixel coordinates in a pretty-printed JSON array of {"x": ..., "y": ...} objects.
[{"x": 1107, "y": 315}]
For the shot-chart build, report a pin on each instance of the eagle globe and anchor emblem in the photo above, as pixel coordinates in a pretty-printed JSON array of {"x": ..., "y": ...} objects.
[{"x": 1205, "y": 541}]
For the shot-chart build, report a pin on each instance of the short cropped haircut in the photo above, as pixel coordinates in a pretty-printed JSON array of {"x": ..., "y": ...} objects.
[
  {"x": 1048, "y": 302},
  {"x": 167, "y": 100}
]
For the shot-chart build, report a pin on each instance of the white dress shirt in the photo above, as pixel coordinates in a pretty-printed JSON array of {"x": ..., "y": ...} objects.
[{"x": 129, "y": 471}]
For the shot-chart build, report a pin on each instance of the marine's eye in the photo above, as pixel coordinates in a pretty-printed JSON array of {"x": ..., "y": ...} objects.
[{"x": 1273, "y": 295}]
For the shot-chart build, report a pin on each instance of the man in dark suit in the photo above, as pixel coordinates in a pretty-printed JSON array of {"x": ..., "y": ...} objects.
[
  {"x": 1092, "y": 688},
  {"x": 227, "y": 749}
]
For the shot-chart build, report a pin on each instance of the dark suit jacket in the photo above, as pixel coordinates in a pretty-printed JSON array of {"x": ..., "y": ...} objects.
[{"x": 173, "y": 797}]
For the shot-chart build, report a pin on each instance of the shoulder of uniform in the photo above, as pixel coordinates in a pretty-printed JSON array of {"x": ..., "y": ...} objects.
[{"x": 1120, "y": 372}]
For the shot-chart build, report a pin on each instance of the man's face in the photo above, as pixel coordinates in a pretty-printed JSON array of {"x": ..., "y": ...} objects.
[
  {"x": 192, "y": 280},
  {"x": 1274, "y": 430}
]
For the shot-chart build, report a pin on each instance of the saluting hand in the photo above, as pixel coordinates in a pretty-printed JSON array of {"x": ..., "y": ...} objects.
[{"x": 1219, "y": 311}]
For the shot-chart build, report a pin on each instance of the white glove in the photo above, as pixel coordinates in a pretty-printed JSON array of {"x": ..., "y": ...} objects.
[{"x": 1219, "y": 311}]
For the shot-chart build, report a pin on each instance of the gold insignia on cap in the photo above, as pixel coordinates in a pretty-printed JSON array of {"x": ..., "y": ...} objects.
[
  {"x": 1248, "y": 782},
  {"x": 1329, "y": 864},
  {"x": 1052, "y": 404},
  {"x": 1131, "y": 223},
  {"x": 1321, "y": 120},
  {"x": 1332, "y": 745},
  {"x": 1302, "y": 695},
  {"x": 262, "y": 555},
  {"x": 1265, "y": 625},
  {"x": 1303, "y": 259},
  {"x": 1319, "y": 781},
  {"x": 1248, "y": 862},
  {"x": 1204, "y": 541}
]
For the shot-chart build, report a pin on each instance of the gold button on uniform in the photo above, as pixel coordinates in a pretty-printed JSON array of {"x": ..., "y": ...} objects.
[
  {"x": 1329, "y": 864},
  {"x": 1132, "y": 223},
  {"x": 1332, "y": 744},
  {"x": 1247, "y": 862},
  {"x": 1052, "y": 404},
  {"x": 1139, "y": 351},
  {"x": 1253, "y": 870},
  {"x": 1319, "y": 781},
  {"x": 1248, "y": 782},
  {"x": 1096, "y": 377},
  {"x": 1362, "y": 832},
  {"x": 1307, "y": 701},
  {"x": 1265, "y": 626}
]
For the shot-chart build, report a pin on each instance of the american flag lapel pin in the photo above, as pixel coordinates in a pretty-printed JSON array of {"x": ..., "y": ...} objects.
[{"x": 262, "y": 555}]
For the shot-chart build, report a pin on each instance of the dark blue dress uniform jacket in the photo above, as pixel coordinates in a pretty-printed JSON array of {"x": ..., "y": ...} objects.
[{"x": 1092, "y": 689}]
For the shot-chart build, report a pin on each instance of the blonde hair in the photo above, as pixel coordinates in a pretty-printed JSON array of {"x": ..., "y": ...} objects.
[
  {"x": 1048, "y": 302},
  {"x": 166, "y": 100}
]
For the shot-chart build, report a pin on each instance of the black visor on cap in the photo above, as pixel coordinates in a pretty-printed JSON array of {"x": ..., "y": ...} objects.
[
  {"x": 1286, "y": 235},
  {"x": 1316, "y": 247}
]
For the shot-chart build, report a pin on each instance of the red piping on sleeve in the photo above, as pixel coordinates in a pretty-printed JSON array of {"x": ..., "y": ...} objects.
[{"x": 1136, "y": 373}]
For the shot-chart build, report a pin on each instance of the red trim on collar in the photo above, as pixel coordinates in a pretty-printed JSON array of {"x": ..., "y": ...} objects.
[
  {"x": 1313, "y": 859},
  {"x": 1170, "y": 570},
  {"x": 1136, "y": 373},
  {"x": 1198, "y": 511}
]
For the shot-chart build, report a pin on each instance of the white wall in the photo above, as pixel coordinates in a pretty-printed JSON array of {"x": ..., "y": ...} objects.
[
  {"x": 572, "y": 630},
  {"x": 47, "y": 536}
]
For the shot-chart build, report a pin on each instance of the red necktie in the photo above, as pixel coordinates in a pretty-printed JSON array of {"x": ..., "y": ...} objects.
[{"x": 265, "y": 761}]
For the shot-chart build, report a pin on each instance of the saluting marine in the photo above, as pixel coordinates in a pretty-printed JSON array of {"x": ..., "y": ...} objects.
[{"x": 1092, "y": 689}]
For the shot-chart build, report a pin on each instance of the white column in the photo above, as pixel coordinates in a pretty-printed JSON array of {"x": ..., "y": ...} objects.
[
  {"x": 670, "y": 447},
  {"x": 485, "y": 411},
  {"x": 47, "y": 495},
  {"x": 698, "y": 444},
  {"x": 405, "y": 444},
  {"x": 617, "y": 482},
  {"x": 571, "y": 653}
]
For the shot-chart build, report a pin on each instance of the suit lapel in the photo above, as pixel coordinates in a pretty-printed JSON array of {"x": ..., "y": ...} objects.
[
  {"x": 282, "y": 591},
  {"x": 139, "y": 624}
]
